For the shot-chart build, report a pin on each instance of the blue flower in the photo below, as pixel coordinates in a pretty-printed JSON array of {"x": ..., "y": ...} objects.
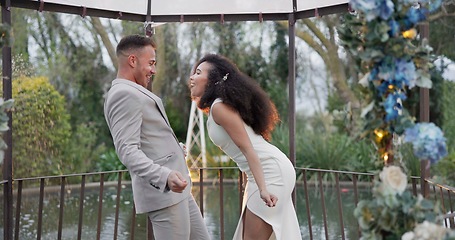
[
  {"x": 405, "y": 73},
  {"x": 387, "y": 9},
  {"x": 393, "y": 105},
  {"x": 374, "y": 8},
  {"x": 428, "y": 141},
  {"x": 415, "y": 15},
  {"x": 394, "y": 28}
]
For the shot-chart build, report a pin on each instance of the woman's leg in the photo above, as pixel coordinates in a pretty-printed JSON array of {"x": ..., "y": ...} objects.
[{"x": 254, "y": 228}]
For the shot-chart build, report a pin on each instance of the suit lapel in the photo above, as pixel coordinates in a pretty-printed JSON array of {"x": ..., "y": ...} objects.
[{"x": 145, "y": 91}]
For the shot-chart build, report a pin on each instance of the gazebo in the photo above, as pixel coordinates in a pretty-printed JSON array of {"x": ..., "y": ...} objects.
[{"x": 161, "y": 11}]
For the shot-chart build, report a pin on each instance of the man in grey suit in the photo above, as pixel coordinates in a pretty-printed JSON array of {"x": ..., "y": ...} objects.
[{"x": 147, "y": 146}]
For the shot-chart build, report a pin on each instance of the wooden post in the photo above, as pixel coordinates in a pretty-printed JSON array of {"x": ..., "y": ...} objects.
[{"x": 424, "y": 117}]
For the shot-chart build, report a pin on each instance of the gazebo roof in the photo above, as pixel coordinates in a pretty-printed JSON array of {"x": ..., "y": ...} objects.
[{"x": 189, "y": 10}]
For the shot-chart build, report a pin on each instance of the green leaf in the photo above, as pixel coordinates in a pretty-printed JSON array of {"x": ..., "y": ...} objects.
[{"x": 423, "y": 79}]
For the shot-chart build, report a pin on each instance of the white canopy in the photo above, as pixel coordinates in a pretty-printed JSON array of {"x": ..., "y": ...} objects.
[{"x": 188, "y": 10}]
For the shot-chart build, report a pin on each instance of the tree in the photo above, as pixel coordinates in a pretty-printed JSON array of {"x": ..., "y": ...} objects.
[{"x": 442, "y": 30}]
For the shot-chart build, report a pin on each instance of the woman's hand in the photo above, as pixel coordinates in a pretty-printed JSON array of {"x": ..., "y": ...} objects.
[{"x": 269, "y": 199}]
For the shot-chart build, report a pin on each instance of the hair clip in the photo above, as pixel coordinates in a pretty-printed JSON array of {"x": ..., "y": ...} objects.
[
  {"x": 225, "y": 77},
  {"x": 223, "y": 80}
]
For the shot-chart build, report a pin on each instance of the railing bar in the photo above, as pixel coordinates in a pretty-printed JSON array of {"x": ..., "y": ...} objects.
[
  {"x": 324, "y": 214},
  {"x": 441, "y": 193},
  {"x": 450, "y": 201},
  {"x": 434, "y": 194},
  {"x": 206, "y": 168},
  {"x": 40, "y": 211},
  {"x": 356, "y": 200},
  {"x": 201, "y": 191},
  {"x": 81, "y": 208},
  {"x": 62, "y": 207},
  {"x": 439, "y": 185},
  {"x": 69, "y": 175},
  {"x": 133, "y": 222},
  {"x": 18, "y": 210},
  {"x": 333, "y": 171},
  {"x": 414, "y": 186},
  {"x": 117, "y": 204},
  {"x": 100, "y": 207},
  {"x": 340, "y": 207},
  {"x": 307, "y": 203},
  {"x": 451, "y": 220},
  {"x": 221, "y": 205}
]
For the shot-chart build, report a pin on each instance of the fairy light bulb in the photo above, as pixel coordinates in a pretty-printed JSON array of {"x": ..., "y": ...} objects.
[
  {"x": 410, "y": 34},
  {"x": 385, "y": 157}
]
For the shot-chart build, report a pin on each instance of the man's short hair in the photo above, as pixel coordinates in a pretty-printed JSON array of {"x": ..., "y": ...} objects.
[{"x": 133, "y": 42}]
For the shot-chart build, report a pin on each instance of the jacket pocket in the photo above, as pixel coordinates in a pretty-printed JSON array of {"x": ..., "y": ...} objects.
[{"x": 163, "y": 160}]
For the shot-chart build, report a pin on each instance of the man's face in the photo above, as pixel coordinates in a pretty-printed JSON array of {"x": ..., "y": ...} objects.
[{"x": 144, "y": 63}]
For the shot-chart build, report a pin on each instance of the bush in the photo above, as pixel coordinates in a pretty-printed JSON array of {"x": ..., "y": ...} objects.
[{"x": 41, "y": 128}]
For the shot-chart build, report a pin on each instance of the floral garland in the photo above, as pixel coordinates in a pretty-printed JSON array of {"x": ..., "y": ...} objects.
[{"x": 381, "y": 37}]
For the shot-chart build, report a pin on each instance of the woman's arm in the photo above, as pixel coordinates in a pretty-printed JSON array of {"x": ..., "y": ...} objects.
[{"x": 232, "y": 123}]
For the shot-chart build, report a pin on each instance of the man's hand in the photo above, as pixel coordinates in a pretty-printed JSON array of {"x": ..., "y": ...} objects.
[
  {"x": 176, "y": 182},
  {"x": 183, "y": 148}
]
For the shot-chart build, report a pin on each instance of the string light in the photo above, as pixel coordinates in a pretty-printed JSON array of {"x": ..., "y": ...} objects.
[{"x": 410, "y": 34}]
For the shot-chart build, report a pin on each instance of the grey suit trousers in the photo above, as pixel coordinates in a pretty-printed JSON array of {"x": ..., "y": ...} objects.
[{"x": 182, "y": 221}]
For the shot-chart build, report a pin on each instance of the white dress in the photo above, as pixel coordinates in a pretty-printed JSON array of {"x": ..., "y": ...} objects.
[{"x": 279, "y": 177}]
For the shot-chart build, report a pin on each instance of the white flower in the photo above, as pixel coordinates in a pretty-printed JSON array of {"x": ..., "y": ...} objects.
[
  {"x": 408, "y": 236},
  {"x": 393, "y": 179},
  {"x": 426, "y": 231}
]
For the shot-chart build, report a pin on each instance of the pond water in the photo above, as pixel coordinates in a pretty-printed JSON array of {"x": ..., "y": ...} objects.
[{"x": 29, "y": 218}]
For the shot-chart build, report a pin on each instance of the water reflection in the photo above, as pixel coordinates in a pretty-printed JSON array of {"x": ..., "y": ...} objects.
[{"x": 29, "y": 216}]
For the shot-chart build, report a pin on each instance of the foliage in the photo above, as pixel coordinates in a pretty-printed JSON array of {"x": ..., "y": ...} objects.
[
  {"x": 445, "y": 169},
  {"x": 5, "y": 106},
  {"x": 178, "y": 123},
  {"x": 326, "y": 150},
  {"x": 442, "y": 31},
  {"x": 448, "y": 125},
  {"x": 84, "y": 136},
  {"x": 109, "y": 161},
  {"x": 394, "y": 211},
  {"x": 5, "y": 35},
  {"x": 21, "y": 67},
  {"x": 41, "y": 128}
]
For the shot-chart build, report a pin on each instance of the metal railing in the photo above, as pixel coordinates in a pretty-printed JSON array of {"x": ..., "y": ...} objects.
[{"x": 343, "y": 189}]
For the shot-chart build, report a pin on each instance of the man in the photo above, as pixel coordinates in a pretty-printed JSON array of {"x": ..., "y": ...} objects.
[{"x": 147, "y": 146}]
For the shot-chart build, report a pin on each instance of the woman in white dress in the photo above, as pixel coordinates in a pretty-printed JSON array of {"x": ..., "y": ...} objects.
[{"x": 241, "y": 118}]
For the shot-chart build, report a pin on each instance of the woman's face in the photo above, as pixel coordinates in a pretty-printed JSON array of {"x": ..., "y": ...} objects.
[{"x": 199, "y": 80}]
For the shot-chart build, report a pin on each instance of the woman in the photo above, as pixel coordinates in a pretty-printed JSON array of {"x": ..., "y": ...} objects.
[{"x": 241, "y": 118}]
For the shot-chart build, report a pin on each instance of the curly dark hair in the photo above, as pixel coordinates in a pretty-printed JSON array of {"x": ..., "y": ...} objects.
[{"x": 240, "y": 92}]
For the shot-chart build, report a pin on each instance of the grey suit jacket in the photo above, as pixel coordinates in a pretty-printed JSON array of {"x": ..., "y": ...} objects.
[{"x": 145, "y": 144}]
